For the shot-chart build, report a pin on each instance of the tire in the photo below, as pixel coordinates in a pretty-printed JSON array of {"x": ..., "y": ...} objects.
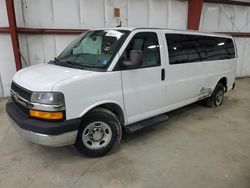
[
  {"x": 217, "y": 97},
  {"x": 99, "y": 133}
]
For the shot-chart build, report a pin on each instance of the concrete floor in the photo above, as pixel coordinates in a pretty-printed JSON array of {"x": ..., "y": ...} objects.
[{"x": 198, "y": 147}]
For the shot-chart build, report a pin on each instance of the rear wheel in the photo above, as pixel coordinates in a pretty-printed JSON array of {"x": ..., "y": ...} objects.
[
  {"x": 217, "y": 97},
  {"x": 99, "y": 134}
]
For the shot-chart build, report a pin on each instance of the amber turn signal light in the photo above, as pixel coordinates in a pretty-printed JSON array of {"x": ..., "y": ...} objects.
[{"x": 46, "y": 115}]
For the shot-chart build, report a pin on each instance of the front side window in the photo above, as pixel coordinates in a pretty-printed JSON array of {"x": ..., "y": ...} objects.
[
  {"x": 94, "y": 50},
  {"x": 147, "y": 43}
]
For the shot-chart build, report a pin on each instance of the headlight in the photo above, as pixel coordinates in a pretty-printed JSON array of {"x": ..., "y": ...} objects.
[
  {"x": 47, "y": 105},
  {"x": 49, "y": 98}
]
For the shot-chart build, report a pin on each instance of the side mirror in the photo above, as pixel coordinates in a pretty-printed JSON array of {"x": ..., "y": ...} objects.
[{"x": 135, "y": 59}]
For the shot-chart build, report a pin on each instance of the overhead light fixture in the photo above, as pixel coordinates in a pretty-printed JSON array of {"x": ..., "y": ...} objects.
[{"x": 221, "y": 44}]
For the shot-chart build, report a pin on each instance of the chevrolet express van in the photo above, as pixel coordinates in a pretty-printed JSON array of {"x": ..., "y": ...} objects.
[{"x": 113, "y": 80}]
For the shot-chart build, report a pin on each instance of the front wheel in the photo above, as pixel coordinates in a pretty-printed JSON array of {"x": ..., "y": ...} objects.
[
  {"x": 217, "y": 97},
  {"x": 99, "y": 134}
]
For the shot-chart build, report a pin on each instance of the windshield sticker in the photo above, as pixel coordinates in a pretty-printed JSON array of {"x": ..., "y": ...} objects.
[
  {"x": 113, "y": 33},
  {"x": 102, "y": 61}
]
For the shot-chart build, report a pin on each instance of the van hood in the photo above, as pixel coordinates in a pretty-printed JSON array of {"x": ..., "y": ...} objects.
[{"x": 43, "y": 77}]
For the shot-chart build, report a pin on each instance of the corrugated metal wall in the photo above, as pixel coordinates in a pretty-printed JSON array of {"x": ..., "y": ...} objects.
[
  {"x": 99, "y": 13},
  {"x": 7, "y": 64},
  {"x": 89, "y": 14},
  {"x": 228, "y": 18}
]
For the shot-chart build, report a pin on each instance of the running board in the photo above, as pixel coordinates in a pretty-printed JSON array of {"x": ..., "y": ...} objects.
[{"x": 134, "y": 127}]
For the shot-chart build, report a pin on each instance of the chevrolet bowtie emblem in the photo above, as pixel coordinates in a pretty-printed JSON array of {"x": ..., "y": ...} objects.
[{"x": 16, "y": 97}]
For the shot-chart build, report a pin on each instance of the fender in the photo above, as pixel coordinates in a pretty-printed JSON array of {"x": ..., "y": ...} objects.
[{"x": 86, "y": 110}]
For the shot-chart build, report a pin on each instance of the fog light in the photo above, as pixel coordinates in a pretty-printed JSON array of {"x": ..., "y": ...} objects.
[{"x": 46, "y": 115}]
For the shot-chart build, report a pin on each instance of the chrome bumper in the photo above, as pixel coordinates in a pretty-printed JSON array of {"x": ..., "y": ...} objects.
[{"x": 46, "y": 140}]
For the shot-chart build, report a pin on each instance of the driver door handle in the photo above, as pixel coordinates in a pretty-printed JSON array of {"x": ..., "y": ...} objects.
[{"x": 162, "y": 74}]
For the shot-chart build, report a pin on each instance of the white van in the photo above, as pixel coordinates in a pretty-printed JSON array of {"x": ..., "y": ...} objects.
[{"x": 118, "y": 79}]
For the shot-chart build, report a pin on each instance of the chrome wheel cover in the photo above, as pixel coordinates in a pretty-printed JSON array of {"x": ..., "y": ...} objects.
[
  {"x": 96, "y": 135},
  {"x": 219, "y": 97}
]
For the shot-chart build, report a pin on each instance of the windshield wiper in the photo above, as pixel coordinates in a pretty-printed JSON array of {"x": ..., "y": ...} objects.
[
  {"x": 70, "y": 64},
  {"x": 55, "y": 61}
]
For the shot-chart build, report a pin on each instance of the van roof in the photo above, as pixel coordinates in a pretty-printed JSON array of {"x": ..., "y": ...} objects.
[{"x": 169, "y": 30}]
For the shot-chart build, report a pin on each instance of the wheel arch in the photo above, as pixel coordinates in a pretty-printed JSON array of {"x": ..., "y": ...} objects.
[
  {"x": 113, "y": 106},
  {"x": 223, "y": 81}
]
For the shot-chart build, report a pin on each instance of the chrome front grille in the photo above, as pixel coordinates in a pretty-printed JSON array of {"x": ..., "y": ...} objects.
[
  {"x": 21, "y": 97},
  {"x": 22, "y": 92}
]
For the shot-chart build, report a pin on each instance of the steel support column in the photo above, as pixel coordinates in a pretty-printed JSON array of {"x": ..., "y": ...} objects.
[
  {"x": 13, "y": 32},
  {"x": 194, "y": 14}
]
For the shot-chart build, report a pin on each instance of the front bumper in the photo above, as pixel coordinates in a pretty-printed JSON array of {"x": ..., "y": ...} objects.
[{"x": 43, "y": 132}]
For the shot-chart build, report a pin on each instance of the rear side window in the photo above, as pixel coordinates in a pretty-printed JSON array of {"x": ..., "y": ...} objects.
[
  {"x": 195, "y": 51},
  {"x": 218, "y": 48},
  {"x": 177, "y": 49},
  {"x": 201, "y": 48}
]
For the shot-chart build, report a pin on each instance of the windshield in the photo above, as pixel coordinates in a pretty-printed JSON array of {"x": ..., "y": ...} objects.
[{"x": 93, "y": 50}]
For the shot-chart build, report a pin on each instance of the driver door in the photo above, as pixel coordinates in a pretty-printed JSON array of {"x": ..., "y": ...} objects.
[{"x": 144, "y": 87}]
